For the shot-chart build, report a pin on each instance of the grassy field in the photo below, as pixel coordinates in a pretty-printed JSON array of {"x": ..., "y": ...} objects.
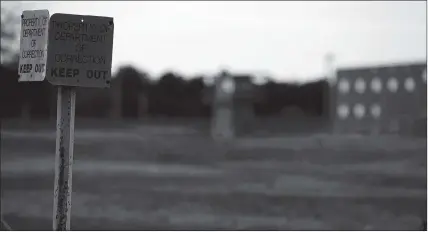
[{"x": 157, "y": 176}]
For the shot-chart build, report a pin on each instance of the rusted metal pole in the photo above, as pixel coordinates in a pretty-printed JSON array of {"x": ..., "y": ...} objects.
[{"x": 66, "y": 105}]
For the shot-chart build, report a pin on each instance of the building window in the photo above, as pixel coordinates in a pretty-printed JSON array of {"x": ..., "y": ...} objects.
[
  {"x": 409, "y": 84},
  {"x": 376, "y": 85},
  {"x": 392, "y": 84},
  {"x": 376, "y": 111},
  {"x": 360, "y": 85},
  {"x": 343, "y": 111},
  {"x": 344, "y": 86},
  {"x": 359, "y": 111},
  {"x": 228, "y": 86}
]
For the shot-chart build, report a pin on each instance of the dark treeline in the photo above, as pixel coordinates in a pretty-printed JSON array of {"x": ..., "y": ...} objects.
[{"x": 140, "y": 95}]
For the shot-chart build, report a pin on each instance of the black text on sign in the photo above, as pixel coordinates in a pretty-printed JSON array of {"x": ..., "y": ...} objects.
[
  {"x": 96, "y": 74},
  {"x": 64, "y": 72}
]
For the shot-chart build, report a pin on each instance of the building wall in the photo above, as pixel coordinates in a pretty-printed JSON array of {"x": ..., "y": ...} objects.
[{"x": 379, "y": 99}]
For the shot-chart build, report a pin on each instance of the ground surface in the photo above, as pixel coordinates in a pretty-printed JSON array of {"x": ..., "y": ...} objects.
[{"x": 171, "y": 177}]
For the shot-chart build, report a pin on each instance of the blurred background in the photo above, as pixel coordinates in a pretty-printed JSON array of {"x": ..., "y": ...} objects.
[{"x": 230, "y": 115}]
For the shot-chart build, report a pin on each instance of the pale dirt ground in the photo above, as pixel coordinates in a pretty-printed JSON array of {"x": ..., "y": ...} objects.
[{"x": 171, "y": 177}]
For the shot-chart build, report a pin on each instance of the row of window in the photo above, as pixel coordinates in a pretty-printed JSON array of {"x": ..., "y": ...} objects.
[
  {"x": 359, "y": 111},
  {"x": 376, "y": 85}
]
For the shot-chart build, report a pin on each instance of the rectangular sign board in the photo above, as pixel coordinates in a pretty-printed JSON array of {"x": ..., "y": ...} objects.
[
  {"x": 33, "y": 45},
  {"x": 80, "y": 50}
]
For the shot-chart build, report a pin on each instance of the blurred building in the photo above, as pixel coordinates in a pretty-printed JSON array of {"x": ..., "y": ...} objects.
[
  {"x": 222, "y": 126},
  {"x": 381, "y": 99},
  {"x": 231, "y": 99}
]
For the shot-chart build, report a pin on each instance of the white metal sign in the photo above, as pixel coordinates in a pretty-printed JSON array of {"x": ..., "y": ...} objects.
[
  {"x": 80, "y": 50},
  {"x": 33, "y": 47}
]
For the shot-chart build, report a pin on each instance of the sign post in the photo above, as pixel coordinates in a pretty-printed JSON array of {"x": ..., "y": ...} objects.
[
  {"x": 70, "y": 51},
  {"x": 66, "y": 106},
  {"x": 79, "y": 55}
]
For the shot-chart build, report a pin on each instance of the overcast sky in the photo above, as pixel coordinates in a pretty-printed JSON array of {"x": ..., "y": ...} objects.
[{"x": 285, "y": 39}]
